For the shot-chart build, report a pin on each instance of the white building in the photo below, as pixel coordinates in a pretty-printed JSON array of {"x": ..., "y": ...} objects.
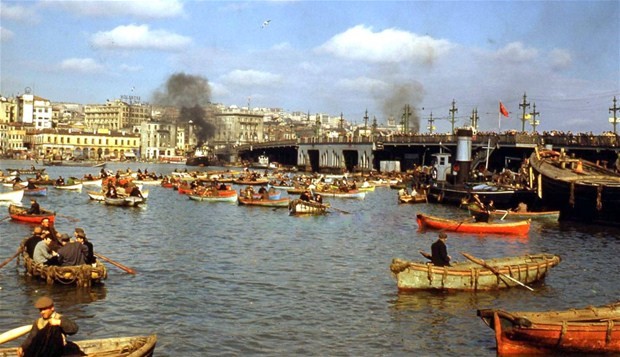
[{"x": 35, "y": 111}]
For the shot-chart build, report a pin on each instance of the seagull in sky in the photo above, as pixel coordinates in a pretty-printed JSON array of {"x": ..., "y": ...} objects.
[{"x": 265, "y": 24}]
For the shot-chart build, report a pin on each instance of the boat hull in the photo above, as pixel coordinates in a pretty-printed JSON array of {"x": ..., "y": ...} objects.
[
  {"x": 576, "y": 331},
  {"x": 508, "y": 214},
  {"x": 299, "y": 207},
  {"x": 221, "y": 196},
  {"x": 18, "y": 213},
  {"x": 467, "y": 275},
  {"x": 520, "y": 228},
  {"x": 502, "y": 198},
  {"x": 15, "y": 196},
  {"x": 282, "y": 202},
  {"x": 135, "y": 346},
  {"x": 589, "y": 196}
]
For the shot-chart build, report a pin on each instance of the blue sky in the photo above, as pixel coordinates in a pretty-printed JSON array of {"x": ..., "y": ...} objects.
[{"x": 328, "y": 56}]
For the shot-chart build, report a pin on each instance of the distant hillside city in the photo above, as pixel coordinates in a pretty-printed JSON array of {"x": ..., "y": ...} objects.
[{"x": 127, "y": 128}]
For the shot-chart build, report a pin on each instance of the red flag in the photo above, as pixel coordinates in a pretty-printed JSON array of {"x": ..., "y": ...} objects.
[{"x": 503, "y": 110}]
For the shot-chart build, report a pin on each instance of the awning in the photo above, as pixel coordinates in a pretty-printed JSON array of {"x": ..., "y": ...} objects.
[{"x": 129, "y": 154}]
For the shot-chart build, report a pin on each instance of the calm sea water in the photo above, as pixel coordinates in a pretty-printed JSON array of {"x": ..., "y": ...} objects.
[{"x": 219, "y": 279}]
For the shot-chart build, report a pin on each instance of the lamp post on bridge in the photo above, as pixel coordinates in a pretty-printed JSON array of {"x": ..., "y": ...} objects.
[
  {"x": 615, "y": 118},
  {"x": 534, "y": 122}
]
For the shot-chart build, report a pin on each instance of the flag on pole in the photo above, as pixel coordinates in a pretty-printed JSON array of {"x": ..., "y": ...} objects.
[{"x": 503, "y": 110}]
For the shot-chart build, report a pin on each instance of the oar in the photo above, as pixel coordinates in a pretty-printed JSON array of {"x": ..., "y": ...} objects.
[
  {"x": 5, "y": 218},
  {"x": 11, "y": 258},
  {"x": 14, "y": 333},
  {"x": 504, "y": 216},
  {"x": 426, "y": 255},
  {"x": 495, "y": 271},
  {"x": 338, "y": 209},
  {"x": 117, "y": 264}
]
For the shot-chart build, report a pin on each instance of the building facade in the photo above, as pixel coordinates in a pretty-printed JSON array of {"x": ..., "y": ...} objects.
[
  {"x": 99, "y": 145},
  {"x": 115, "y": 115}
]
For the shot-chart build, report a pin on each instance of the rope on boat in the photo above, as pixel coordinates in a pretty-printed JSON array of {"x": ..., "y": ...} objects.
[
  {"x": 562, "y": 332},
  {"x": 599, "y": 200},
  {"x": 83, "y": 275},
  {"x": 571, "y": 199},
  {"x": 610, "y": 328}
]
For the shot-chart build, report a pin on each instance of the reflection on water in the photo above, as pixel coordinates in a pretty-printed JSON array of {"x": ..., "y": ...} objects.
[{"x": 222, "y": 279}]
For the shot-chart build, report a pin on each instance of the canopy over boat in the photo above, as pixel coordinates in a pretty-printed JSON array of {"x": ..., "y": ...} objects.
[
  {"x": 468, "y": 226},
  {"x": 469, "y": 275},
  {"x": 590, "y": 330}
]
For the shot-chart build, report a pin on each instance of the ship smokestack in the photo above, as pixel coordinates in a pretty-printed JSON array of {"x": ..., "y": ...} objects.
[{"x": 463, "y": 154}]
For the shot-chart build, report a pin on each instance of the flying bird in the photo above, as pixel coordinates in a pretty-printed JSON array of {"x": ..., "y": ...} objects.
[{"x": 265, "y": 24}]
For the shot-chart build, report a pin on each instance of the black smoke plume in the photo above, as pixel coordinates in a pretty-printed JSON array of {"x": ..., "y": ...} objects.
[
  {"x": 190, "y": 94},
  {"x": 398, "y": 96}
]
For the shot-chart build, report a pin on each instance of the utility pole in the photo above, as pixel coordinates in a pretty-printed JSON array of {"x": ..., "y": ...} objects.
[
  {"x": 452, "y": 111},
  {"x": 534, "y": 113},
  {"x": 405, "y": 118},
  {"x": 524, "y": 105},
  {"x": 474, "y": 118},
  {"x": 613, "y": 110},
  {"x": 430, "y": 123}
]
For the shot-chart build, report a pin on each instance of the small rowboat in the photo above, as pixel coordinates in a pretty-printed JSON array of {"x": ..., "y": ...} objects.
[
  {"x": 353, "y": 194},
  {"x": 129, "y": 201},
  {"x": 30, "y": 171},
  {"x": 12, "y": 196},
  {"x": 282, "y": 202},
  {"x": 74, "y": 187},
  {"x": 590, "y": 330},
  {"x": 18, "y": 213},
  {"x": 418, "y": 198},
  {"x": 218, "y": 196},
  {"x": 100, "y": 196},
  {"x": 369, "y": 188},
  {"x": 259, "y": 182},
  {"x": 550, "y": 215},
  {"x": 299, "y": 207},
  {"x": 135, "y": 346},
  {"x": 467, "y": 226},
  {"x": 95, "y": 182},
  {"x": 469, "y": 275},
  {"x": 38, "y": 191},
  {"x": 15, "y": 185},
  {"x": 148, "y": 182}
]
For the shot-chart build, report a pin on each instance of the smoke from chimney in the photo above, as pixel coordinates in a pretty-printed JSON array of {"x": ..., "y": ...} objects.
[
  {"x": 190, "y": 94},
  {"x": 394, "y": 102}
]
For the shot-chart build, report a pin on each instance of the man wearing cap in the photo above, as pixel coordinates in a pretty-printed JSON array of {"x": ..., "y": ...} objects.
[
  {"x": 80, "y": 237},
  {"x": 71, "y": 253},
  {"x": 48, "y": 334},
  {"x": 439, "y": 251},
  {"x": 43, "y": 254}
]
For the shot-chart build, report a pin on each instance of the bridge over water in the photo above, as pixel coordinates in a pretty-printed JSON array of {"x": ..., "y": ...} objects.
[{"x": 365, "y": 153}]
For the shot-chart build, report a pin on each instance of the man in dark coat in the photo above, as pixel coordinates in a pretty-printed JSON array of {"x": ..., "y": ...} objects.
[
  {"x": 48, "y": 334},
  {"x": 32, "y": 241},
  {"x": 34, "y": 207},
  {"x": 80, "y": 237},
  {"x": 439, "y": 251},
  {"x": 71, "y": 253}
]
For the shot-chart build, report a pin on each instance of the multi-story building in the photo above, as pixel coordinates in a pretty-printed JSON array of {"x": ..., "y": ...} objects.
[
  {"x": 160, "y": 139},
  {"x": 115, "y": 115},
  {"x": 7, "y": 115},
  {"x": 101, "y": 144},
  {"x": 238, "y": 125},
  {"x": 34, "y": 110}
]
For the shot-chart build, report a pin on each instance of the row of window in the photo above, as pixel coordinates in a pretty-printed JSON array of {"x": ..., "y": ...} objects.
[{"x": 93, "y": 141}]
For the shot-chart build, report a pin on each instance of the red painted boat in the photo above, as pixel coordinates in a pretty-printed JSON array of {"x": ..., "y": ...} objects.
[
  {"x": 20, "y": 214},
  {"x": 467, "y": 226},
  {"x": 591, "y": 330}
]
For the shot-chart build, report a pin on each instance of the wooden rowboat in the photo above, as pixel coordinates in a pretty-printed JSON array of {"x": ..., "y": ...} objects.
[
  {"x": 74, "y": 187},
  {"x": 19, "y": 213},
  {"x": 215, "y": 196},
  {"x": 129, "y": 201},
  {"x": 469, "y": 275},
  {"x": 38, "y": 191},
  {"x": 418, "y": 198},
  {"x": 590, "y": 330},
  {"x": 12, "y": 196},
  {"x": 282, "y": 202},
  {"x": 134, "y": 346},
  {"x": 100, "y": 196},
  {"x": 353, "y": 194},
  {"x": 299, "y": 207},
  {"x": 467, "y": 226},
  {"x": 81, "y": 275},
  {"x": 508, "y": 214}
]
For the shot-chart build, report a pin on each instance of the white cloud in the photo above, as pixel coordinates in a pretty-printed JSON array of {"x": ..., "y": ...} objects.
[
  {"x": 139, "y": 37},
  {"x": 146, "y": 9},
  {"x": 5, "y": 34},
  {"x": 17, "y": 13},
  {"x": 387, "y": 46},
  {"x": 560, "y": 58},
  {"x": 83, "y": 65},
  {"x": 251, "y": 77},
  {"x": 516, "y": 52}
]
